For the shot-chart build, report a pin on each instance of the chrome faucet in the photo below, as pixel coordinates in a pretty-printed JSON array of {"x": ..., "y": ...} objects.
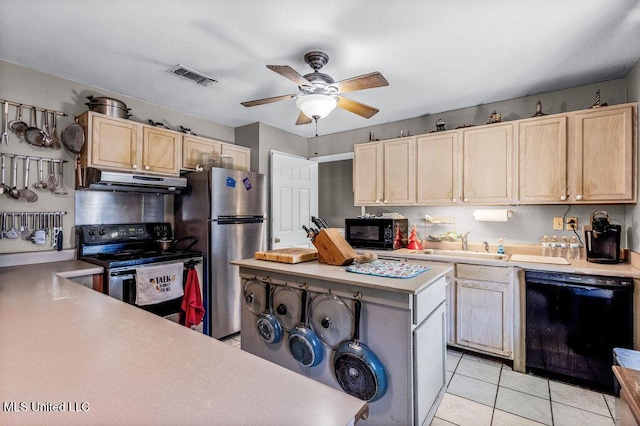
[
  {"x": 463, "y": 238},
  {"x": 486, "y": 246}
]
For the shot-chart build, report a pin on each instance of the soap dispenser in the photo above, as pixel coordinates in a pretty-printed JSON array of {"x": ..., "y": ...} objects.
[{"x": 501, "y": 246}]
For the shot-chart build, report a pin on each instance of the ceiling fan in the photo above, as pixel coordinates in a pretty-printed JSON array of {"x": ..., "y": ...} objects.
[{"x": 319, "y": 93}]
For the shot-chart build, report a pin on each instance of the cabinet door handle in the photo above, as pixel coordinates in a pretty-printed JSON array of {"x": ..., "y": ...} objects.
[
  {"x": 453, "y": 200},
  {"x": 465, "y": 200},
  {"x": 385, "y": 201},
  {"x": 146, "y": 167},
  {"x": 134, "y": 166},
  {"x": 563, "y": 198},
  {"x": 579, "y": 197}
]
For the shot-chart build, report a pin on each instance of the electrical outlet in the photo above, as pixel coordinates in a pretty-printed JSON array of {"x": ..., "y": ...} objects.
[
  {"x": 557, "y": 224},
  {"x": 572, "y": 224}
]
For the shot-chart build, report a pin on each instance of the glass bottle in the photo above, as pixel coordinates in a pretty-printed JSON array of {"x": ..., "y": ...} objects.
[
  {"x": 564, "y": 247},
  {"x": 574, "y": 248},
  {"x": 545, "y": 246},
  {"x": 554, "y": 245}
]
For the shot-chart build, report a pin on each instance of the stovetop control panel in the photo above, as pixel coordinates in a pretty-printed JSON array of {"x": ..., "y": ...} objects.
[{"x": 109, "y": 234}]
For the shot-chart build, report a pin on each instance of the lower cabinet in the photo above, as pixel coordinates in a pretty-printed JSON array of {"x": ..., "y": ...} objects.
[{"x": 484, "y": 309}]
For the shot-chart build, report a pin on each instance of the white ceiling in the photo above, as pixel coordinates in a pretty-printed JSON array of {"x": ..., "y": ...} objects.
[{"x": 436, "y": 55}]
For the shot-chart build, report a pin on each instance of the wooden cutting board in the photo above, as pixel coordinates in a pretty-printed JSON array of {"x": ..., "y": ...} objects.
[
  {"x": 539, "y": 259},
  {"x": 288, "y": 255}
]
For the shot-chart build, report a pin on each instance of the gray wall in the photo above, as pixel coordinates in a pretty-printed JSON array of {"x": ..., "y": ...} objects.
[
  {"x": 262, "y": 139},
  {"x": 529, "y": 223},
  {"x": 336, "y": 192},
  {"x": 633, "y": 211}
]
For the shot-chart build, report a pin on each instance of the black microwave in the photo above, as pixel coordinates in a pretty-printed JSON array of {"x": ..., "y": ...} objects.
[{"x": 374, "y": 232}]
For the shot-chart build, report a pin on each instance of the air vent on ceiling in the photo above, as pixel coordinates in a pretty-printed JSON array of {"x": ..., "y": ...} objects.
[{"x": 189, "y": 74}]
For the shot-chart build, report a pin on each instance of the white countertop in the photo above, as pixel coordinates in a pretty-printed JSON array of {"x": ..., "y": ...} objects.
[
  {"x": 62, "y": 343},
  {"x": 315, "y": 269}
]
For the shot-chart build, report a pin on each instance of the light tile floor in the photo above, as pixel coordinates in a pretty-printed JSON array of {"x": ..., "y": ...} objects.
[{"x": 483, "y": 392}]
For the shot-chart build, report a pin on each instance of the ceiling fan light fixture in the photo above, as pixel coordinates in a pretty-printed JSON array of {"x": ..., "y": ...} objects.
[{"x": 316, "y": 106}]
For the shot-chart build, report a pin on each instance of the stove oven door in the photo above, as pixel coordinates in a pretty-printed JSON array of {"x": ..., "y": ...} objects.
[{"x": 122, "y": 286}]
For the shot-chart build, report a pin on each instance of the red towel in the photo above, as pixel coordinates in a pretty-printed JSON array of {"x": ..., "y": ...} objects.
[{"x": 192, "y": 301}]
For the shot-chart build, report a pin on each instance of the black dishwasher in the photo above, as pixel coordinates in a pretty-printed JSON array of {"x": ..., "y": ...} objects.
[{"x": 573, "y": 323}]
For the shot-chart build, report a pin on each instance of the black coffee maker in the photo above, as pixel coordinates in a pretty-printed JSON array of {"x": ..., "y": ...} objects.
[{"x": 603, "y": 239}]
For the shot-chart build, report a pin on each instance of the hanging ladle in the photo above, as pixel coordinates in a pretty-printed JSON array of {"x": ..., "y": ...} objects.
[
  {"x": 14, "y": 192},
  {"x": 25, "y": 193},
  {"x": 3, "y": 187},
  {"x": 41, "y": 184}
]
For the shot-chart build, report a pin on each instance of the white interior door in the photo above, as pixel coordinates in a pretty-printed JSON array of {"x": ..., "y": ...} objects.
[{"x": 294, "y": 198}]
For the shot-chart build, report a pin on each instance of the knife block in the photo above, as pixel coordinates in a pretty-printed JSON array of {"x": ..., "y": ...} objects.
[{"x": 332, "y": 248}]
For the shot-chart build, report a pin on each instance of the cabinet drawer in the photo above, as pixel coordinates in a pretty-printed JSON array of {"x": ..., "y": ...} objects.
[
  {"x": 428, "y": 299},
  {"x": 482, "y": 273}
]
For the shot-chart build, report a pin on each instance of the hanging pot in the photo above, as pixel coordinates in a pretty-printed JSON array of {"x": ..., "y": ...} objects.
[
  {"x": 304, "y": 345},
  {"x": 108, "y": 106},
  {"x": 358, "y": 370},
  {"x": 170, "y": 244},
  {"x": 268, "y": 326}
]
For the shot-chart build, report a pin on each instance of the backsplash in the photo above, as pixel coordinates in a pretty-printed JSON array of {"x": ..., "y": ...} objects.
[{"x": 97, "y": 207}]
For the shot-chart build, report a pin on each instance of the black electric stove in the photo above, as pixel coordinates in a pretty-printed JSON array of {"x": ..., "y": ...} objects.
[{"x": 122, "y": 245}]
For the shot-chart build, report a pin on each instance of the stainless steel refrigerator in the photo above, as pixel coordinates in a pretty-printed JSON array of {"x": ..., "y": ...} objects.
[{"x": 226, "y": 210}]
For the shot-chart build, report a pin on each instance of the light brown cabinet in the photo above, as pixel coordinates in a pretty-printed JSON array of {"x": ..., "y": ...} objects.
[
  {"x": 194, "y": 147},
  {"x": 487, "y": 164},
  {"x": 484, "y": 309},
  {"x": 119, "y": 144},
  {"x": 438, "y": 176},
  {"x": 604, "y": 148},
  {"x": 542, "y": 162},
  {"x": 383, "y": 172}
]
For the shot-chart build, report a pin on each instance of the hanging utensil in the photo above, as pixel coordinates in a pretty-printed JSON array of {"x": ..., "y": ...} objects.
[
  {"x": 357, "y": 369},
  {"x": 14, "y": 192},
  {"x": 61, "y": 190},
  {"x": 33, "y": 135},
  {"x": 18, "y": 126},
  {"x": 39, "y": 235},
  {"x": 268, "y": 325},
  {"x": 52, "y": 182},
  {"x": 34, "y": 224},
  {"x": 47, "y": 141},
  {"x": 60, "y": 237},
  {"x": 25, "y": 193},
  {"x": 54, "y": 230},
  {"x": 25, "y": 233},
  {"x": 41, "y": 184},
  {"x": 72, "y": 137},
  {"x": 5, "y": 122},
  {"x": 3, "y": 231},
  {"x": 56, "y": 140},
  {"x": 304, "y": 345},
  {"x": 13, "y": 232},
  {"x": 3, "y": 187}
]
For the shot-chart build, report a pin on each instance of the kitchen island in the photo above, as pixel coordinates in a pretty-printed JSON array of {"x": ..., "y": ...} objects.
[
  {"x": 71, "y": 355},
  {"x": 403, "y": 322}
]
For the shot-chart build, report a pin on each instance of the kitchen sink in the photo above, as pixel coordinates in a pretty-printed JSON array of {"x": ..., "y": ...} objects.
[{"x": 462, "y": 253}]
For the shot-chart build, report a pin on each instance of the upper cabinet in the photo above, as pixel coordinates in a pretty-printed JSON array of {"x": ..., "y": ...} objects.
[
  {"x": 542, "y": 163},
  {"x": 120, "y": 144},
  {"x": 604, "y": 161},
  {"x": 384, "y": 173},
  {"x": 438, "y": 168},
  {"x": 577, "y": 157},
  {"x": 487, "y": 164}
]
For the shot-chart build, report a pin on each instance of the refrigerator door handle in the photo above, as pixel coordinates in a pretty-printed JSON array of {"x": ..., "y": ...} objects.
[{"x": 232, "y": 220}]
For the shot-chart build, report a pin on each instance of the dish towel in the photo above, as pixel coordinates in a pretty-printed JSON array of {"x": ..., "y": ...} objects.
[
  {"x": 156, "y": 284},
  {"x": 381, "y": 268},
  {"x": 192, "y": 301}
]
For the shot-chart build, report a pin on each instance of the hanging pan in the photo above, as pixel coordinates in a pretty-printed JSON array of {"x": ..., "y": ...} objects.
[
  {"x": 358, "y": 370},
  {"x": 268, "y": 325},
  {"x": 304, "y": 345}
]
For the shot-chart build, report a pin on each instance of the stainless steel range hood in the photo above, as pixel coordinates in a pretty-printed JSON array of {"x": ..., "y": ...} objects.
[{"x": 103, "y": 180}]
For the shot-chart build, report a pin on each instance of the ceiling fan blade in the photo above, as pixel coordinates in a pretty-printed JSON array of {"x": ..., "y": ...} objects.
[
  {"x": 367, "y": 81},
  {"x": 290, "y": 73},
  {"x": 356, "y": 107},
  {"x": 267, "y": 100},
  {"x": 303, "y": 119}
]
